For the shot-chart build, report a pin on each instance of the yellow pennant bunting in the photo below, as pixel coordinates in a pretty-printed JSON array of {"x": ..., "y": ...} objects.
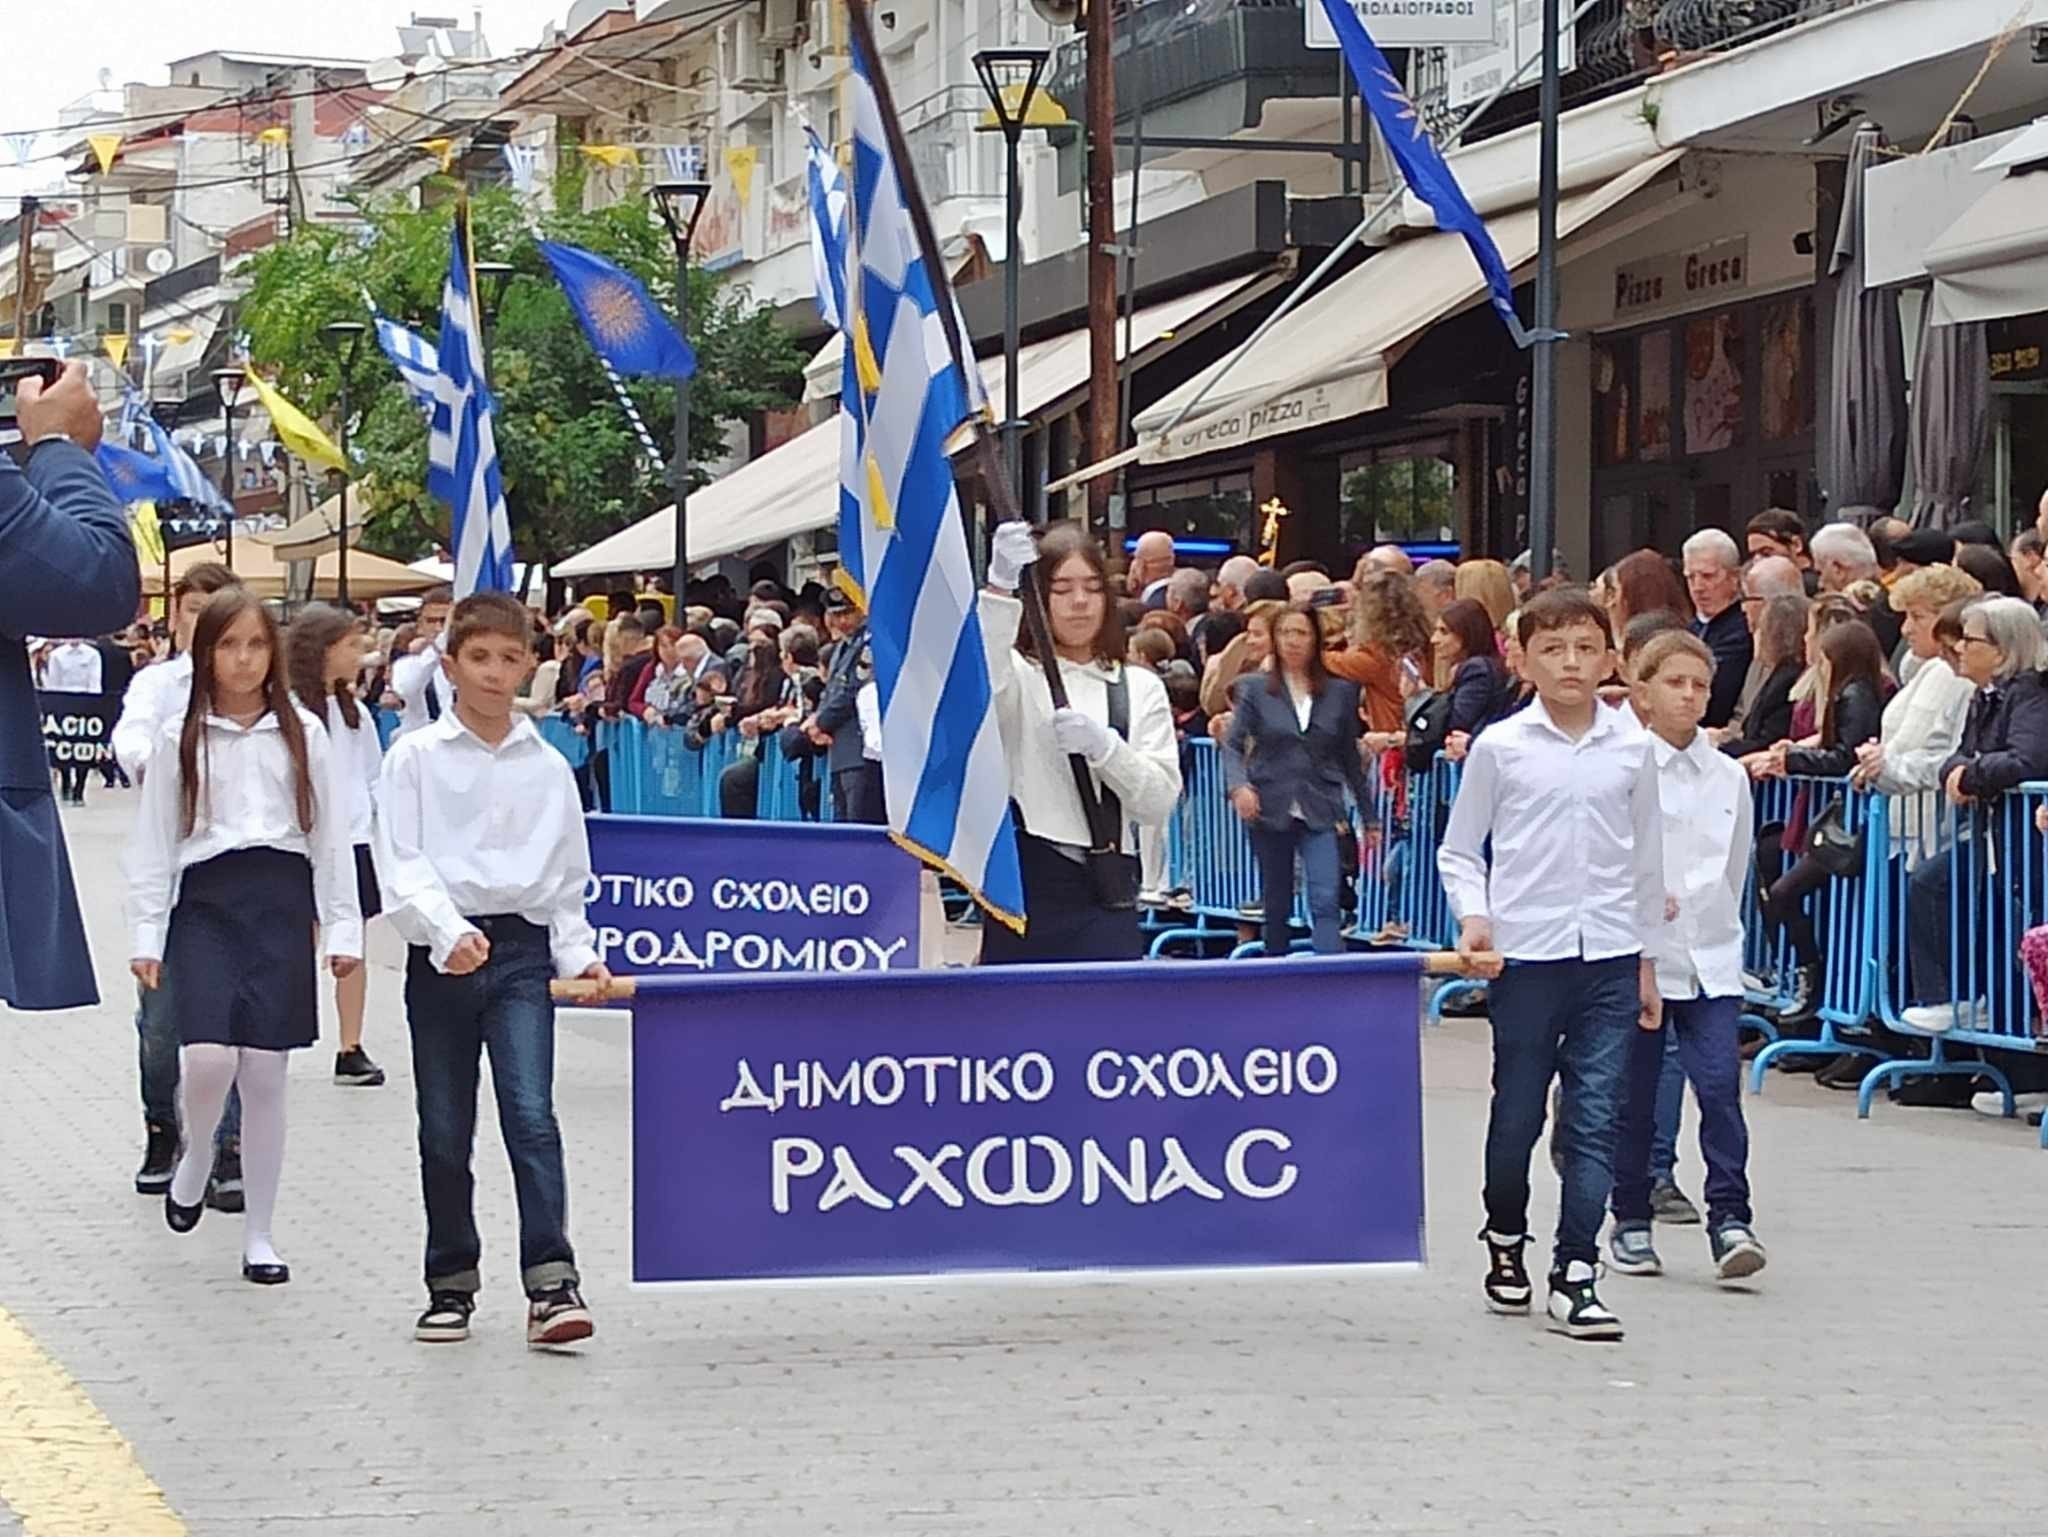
[
  {"x": 105, "y": 146},
  {"x": 739, "y": 165},
  {"x": 117, "y": 348},
  {"x": 299, "y": 433},
  {"x": 614, "y": 157},
  {"x": 442, "y": 150},
  {"x": 147, "y": 533},
  {"x": 275, "y": 136}
]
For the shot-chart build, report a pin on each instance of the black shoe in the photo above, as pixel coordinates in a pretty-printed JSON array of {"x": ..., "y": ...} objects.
[
  {"x": 558, "y": 1317},
  {"x": 1465, "y": 1006},
  {"x": 159, "y": 1158},
  {"x": 1845, "y": 1073},
  {"x": 1801, "y": 1062},
  {"x": 1804, "y": 1009},
  {"x": 1507, "y": 1280},
  {"x": 181, "y": 1219},
  {"x": 446, "y": 1320},
  {"x": 1947, "y": 1091},
  {"x": 266, "y": 1275},
  {"x": 1575, "y": 1307},
  {"x": 224, "y": 1185},
  {"x": 354, "y": 1067}
]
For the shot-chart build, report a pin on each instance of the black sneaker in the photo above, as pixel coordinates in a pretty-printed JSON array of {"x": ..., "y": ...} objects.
[
  {"x": 1575, "y": 1307},
  {"x": 1671, "y": 1206},
  {"x": 224, "y": 1185},
  {"x": 1737, "y": 1254},
  {"x": 558, "y": 1317},
  {"x": 1507, "y": 1280},
  {"x": 159, "y": 1158},
  {"x": 446, "y": 1320},
  {"x": 354, "y": 1067}
]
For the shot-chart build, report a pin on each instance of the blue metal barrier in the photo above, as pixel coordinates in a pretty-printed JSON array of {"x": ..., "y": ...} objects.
[
  {"x": 387, "y": 725},
  {"x": 1991, "y": 862},
  {"x": 565, "y": 738}
]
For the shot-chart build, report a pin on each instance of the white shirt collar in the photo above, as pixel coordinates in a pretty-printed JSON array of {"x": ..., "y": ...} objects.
[
  {"x": 450, "y": 727},
  {"x": 1538, "y": 713},
  {"x": 1697, "y": 753}
]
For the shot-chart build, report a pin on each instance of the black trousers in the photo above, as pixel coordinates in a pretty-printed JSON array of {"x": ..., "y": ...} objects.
[{"x": 857, "y": 795}]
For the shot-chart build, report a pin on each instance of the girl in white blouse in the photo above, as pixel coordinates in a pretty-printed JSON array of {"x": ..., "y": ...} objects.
[
  {"x": 324, "y": 659},
  {"x": 1069, "y": 914},
  {"x": 240, "y": 849}
]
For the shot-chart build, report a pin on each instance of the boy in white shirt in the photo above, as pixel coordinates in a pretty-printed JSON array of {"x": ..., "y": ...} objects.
[
  {"x": 418, "y": 678},
  {"x": 483, "y": 860},
  {"x": 1565, "y": 792},
  {"x": 1707, "y": 835}
]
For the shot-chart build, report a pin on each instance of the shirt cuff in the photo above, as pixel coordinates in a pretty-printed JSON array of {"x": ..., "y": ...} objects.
[
  {"x": 445, "y": 943},
  {"x": 342, "y": 939},
  {"x": 148, "y": 944},
  {"x": 574, "y": 960}
]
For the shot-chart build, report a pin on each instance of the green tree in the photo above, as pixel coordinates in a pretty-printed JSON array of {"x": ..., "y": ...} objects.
[{"x": 572, "y": 467}]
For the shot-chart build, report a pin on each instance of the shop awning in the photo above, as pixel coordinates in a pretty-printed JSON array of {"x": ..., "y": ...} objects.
[
  {"x": 1328, "y": 360},
  {"x": 267, "y": 576},
  {"x": 788, "y": 490},
  {"x": 1992, "y": 263}
]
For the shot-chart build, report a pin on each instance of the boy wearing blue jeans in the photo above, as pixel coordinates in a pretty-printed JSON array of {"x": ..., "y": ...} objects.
[
  {"x": 1707, "y": 834},
  {"x": 483, "y": 860},
  {"x": 1565, "y": 794}
]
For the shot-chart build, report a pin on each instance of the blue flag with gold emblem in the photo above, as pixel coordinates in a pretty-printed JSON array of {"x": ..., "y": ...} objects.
[
  {"x": 1422, "y": 165},
  {"x": 622, "y": 322}
]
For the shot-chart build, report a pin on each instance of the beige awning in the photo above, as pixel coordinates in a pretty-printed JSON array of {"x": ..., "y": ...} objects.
[
  {"x": 1992, "y": 263},
  {"x": 1328, "y": 359},
  {"x": 318, "y": 532},
  {"x": 267, "y": 576}
]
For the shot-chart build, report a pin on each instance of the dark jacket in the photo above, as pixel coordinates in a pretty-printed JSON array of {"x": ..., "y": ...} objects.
[
  {"x": 2005, "y": 737},
  {"x": 1727, "y": 636},
  {"x": 1769, "y": 720},
  {"x": 67, "y": 566},
  {"x": 1288, "y": 766},
  {"x": 1858, "y": 715},
  {"x": 1479, "y": 694},
  {"x": 838, "y": 716}
]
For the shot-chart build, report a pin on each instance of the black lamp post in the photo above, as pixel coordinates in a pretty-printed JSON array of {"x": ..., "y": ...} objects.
[
  {"x": 1011, "y": 76},
  {"x": 491, "y": 278},
  {"x": 681, "y": 204},
  {"x": 227, "y": 384},
  {"x": 345, "y": 336}
]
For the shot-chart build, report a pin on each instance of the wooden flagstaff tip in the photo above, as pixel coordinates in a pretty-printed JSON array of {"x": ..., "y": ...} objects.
[
  {"x": 1449, "y": 963},
  {"x": 583, "y": 991}
]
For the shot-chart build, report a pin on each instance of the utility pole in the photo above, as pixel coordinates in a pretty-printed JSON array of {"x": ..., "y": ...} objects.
[
  {"x": 24, "y": 276},
  {"x": 1543, "y": 410},
  {"x": 1104, "y": 429}
]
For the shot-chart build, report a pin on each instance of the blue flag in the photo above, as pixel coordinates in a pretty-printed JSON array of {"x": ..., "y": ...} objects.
[
  {"x": 620, "y": 319},
  {"x": 1416, "y": 154},
  {"x": 135, "y": 477}
]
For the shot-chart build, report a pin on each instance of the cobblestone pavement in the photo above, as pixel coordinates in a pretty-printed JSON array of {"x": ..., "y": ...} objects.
[{"x": 1884, "y": 1378}]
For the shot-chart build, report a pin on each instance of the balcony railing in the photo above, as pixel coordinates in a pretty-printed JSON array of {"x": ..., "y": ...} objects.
[
  {"x": 951, "y": 158},
  {"x": 1620, "y": 43}
]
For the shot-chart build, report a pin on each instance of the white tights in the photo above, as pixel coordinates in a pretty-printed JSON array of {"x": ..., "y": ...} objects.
[{"x": 207, "y": 1073}]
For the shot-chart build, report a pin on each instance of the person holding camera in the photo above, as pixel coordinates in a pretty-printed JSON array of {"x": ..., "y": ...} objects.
[
  {"x": 67, "y": 566},
  {"x": 1080, "y": 888}
]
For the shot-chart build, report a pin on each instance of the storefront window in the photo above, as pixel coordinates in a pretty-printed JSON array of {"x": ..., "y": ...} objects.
[
  {"x": 1403, "y": 494},
  {"x": 1614, "y": 413},
  {"x": 1653, "y": 404},
  {"x": 1787, "y": 405},
  {"x": 1212, "y": 507},
  {"x": 1713, "y": 383}
]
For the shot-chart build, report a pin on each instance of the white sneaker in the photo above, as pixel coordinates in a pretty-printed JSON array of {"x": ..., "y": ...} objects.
[
  {"x": 1940, "y": 1018},
  {"x": 1575, "y": 1307},
  {"x": 1992, "y": 1103}
]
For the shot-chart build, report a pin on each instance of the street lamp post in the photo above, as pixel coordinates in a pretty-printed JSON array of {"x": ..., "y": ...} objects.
[
  {"x": 345, "y": 336},
  {"x": 681, "y": 204},
  {"x": 227, "y": 384},
  {"x": 491, "y": 278},
  {"x": 1011, "y": 76}
]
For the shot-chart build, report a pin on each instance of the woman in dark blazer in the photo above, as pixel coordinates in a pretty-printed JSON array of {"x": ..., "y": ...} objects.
[
  {"x": 1293, "y": 750},
  {"x": 1469, "y": 667}
]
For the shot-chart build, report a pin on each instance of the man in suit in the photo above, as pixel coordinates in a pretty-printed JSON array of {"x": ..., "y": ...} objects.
[
  {"x": 117, "y": 671},
  {"x": 67, "y": 564},
  {"x": 856, "y": 779},
  {"x": 1713, "y": 578}
]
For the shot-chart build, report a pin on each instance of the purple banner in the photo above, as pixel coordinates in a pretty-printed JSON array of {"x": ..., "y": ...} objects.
[
  {"x": 674, "y": 896},
  {"x": 1162, "y": 1115}
]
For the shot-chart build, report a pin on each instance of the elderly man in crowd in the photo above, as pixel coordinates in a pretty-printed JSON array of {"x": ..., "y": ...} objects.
[
  {"x": 1151, "y": 565},
  {"x": 1436, "y": 585},
  {"x": 1713, "y": 580},
  {"x": 1844, "y": 556},
  {"x": 1231, "y": 579},
  {"x": 1390, "y": 558}
]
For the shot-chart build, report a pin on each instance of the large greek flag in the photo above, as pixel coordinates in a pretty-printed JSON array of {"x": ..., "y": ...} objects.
[
  {"x": 412, "y": 355},
  {"x": 462, "y": 454},
  {"x": 943, "y": 769}
]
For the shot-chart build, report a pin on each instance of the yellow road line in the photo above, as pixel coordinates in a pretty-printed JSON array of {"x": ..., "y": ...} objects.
[{"x": 64, "y": 1470}]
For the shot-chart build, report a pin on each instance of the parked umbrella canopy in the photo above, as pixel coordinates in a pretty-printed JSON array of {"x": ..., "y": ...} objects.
[
  {"x": 1866, "y": 450},
  {"x": 1951, "y": 405}
]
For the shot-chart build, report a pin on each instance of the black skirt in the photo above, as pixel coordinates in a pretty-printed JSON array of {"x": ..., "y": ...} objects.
[
  {"x": 368, "y": 897},
  {"x": 241, "y": 945},
  {"x": 1065, "y": 922}
]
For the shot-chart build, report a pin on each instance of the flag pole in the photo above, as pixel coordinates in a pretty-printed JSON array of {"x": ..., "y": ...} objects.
[{"x": 996, "y": 482}]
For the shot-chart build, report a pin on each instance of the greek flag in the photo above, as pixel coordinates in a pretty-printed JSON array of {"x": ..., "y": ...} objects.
[
  {"x": 462, "y": 454},
  {"x": 828, "y": 227},
  {"x": 188, "y": 482},
  {"x": 943, "y": 768},
  {"x": 412, "y": 355}
]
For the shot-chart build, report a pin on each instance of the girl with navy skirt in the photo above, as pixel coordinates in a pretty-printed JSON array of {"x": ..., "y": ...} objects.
[
  {"x": 240, "y": 850},
  {"x": 324, "y": 659}
]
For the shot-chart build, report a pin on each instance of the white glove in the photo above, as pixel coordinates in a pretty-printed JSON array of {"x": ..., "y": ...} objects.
[
  {"x": 1078, "y": 732},
  {"x": 1012, "y": 549}
]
